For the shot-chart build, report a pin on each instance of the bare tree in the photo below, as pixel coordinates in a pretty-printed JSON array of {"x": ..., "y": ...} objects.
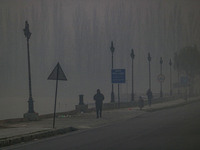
[{"x": 187, "y": 61}]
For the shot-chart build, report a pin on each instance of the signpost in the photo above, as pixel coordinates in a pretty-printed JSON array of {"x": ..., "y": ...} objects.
[
  {"x": 56, "y": 74},
  {"x": 118, "y": 76},
  {"x": 161, "y": 78},
  {"x": 184, "y": 81}
]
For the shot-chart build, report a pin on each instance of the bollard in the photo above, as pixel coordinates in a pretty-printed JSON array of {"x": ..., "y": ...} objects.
[
  {"x": 81, "y": 100},
  {"x": 81, "y": 107}
]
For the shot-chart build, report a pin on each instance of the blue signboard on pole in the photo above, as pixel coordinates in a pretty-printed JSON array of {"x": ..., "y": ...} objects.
[
  {"x": 118, "y": 75},
  {"x": 184, "y": 80}
]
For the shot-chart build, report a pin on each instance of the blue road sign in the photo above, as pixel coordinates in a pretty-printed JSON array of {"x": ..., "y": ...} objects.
[
  {"x": 184, "y": 80},
  {"x": 161, "y": 78},
  {"x": 118, "y": 75}
]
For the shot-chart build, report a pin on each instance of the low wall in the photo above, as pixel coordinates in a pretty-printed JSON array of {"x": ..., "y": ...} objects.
[{"x": 106, "y": 106}]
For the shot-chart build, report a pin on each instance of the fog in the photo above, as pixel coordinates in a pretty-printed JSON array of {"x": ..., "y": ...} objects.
[{"x": 78, "y": 35}]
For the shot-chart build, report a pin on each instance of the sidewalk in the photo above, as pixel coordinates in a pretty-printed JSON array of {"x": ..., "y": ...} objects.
[{"x": 26, "y": 131}]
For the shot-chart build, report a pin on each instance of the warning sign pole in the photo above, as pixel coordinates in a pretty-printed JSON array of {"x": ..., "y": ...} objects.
[
  {"x": 54, "y": 115},
  {"x": 56, "y": 74}
]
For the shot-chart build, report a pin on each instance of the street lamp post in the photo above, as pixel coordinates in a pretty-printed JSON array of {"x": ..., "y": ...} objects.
[
  {"x": 161, "y": 62},
  {"x": 170, "y": 65},
  {"x": 149, "y": 59},
  {"x": 178, "y": 72},
  {"x": 112, "y": 49},
  {"x": 132, "y": 93},
  {"x": 31, "y": 115},
  {"x": 178, "y": 76}
]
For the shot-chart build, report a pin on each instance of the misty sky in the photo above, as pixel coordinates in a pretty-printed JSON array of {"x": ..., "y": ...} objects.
[{"x": 78, "y": 34}]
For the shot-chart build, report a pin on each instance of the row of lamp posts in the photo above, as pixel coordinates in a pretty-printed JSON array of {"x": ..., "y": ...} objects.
[
  {"x": 112, "y": 49},
  {"x": 27, "y": 34}
]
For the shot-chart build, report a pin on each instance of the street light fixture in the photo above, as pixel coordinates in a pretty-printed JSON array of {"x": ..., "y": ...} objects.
[
  {"x": 161, "y": 62},
  {"x": 112, "y": 49},
  {"x": 31, "y": 115},
  {"x": 132, "y": 57}
]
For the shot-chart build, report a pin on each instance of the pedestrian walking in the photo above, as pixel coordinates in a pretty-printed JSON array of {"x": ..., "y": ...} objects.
[
  {"x": 141, "y": 102},
  {"x": 99, "y": 97},
  {"x": 150, "y": 96}
]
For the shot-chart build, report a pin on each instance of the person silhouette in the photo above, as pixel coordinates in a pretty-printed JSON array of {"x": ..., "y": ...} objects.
[
  {"x": 141, "y": 102},
  {"x": 150, "y": 96},
  {"x": 99, "y": 97}
]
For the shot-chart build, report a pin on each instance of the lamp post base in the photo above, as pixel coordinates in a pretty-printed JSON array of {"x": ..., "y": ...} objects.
[
  {"x": 31, "y": 116},
  {"x": 81, "y": 108},
  {"x": 161, "y": 94},
  {"x": 170, "y": 92},
  {"x": 132, "y": 97},
  {"x": 112, "y": 97}
]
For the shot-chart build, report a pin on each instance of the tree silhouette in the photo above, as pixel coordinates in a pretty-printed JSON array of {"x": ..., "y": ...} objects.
[{"x": 187, "y": 61}]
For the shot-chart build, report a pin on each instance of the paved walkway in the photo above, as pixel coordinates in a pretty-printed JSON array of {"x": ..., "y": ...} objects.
[{"x": 78, "y": 121}]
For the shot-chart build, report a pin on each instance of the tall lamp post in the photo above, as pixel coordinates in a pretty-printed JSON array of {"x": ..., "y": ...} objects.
[
  {"x": 178, "y": 76},
  {"x": 178, "y": 72},
  {"x": 31, "y": 115},
  {"x": 149, "y": 59},
  {"x": 161, "y": 62},
  {"x": 170, "y": 83},
  {"x": 112, "y": 49},
  {"x": 132, "y": 57}
]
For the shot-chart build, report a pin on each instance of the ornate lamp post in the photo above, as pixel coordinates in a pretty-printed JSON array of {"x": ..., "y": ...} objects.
[
  {"x": 149, "y": 59},
  {"x": 132, "y": 57},
  {"x": 178, "y": 72},
  {"x": 178, "y": 76},
  {"x": 170, "y": 83},
  {"x": 161, "y": 62},
  {"x": 112, "y": 49},
  {"x": 31, "y": 115}
]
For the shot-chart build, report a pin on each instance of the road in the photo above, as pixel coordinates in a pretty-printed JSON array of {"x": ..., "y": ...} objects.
[{"x": 169, "y": 129}]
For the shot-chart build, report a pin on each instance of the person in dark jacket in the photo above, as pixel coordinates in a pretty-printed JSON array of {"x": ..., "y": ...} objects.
[
  {"x": 141, "y": 102},
  {"x": 150, "y": 96},
  {"x": 99, "y": 97}
]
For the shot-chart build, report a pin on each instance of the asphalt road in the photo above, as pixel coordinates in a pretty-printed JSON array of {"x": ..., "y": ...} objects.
[{"x": 169, "y": 129}]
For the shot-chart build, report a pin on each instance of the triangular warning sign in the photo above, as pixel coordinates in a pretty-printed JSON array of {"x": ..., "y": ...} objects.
[{"x": 57, "y": 74}]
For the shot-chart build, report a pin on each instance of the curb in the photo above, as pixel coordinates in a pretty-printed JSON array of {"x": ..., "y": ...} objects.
[
  {"x": 171, "y": 106},
  {"x": 35, "y": 135},
  {"x": 52, "y": 132}
]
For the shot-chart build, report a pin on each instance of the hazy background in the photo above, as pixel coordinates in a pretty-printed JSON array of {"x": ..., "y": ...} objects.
[{"x": 77, "y": 33}]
